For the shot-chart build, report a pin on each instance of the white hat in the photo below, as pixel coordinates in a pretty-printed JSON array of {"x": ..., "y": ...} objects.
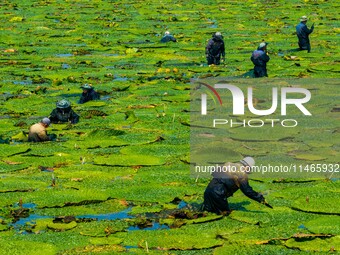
[
  {"x": 46, "y": 121},
  {"x": 248, "y": 161},
  {"x": 218, "y": 34},
  {"x": 262, "y": 45},
  {"x": 303, "y": 18},
  {"x": 167, "y": 32}
]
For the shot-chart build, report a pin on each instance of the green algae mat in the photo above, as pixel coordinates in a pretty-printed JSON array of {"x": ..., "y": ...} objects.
[{"x": 120, "y": 180}]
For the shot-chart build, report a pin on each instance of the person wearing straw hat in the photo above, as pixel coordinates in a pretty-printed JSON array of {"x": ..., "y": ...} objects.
[
  {"x": 64, "y": 113},
  {"x": 260, "y": 58},
  {"x": 38, "y": 133},
  {"x": 215, "y": 49},
  {"x": 303, "y": 33},
  {"x": 226, "y": 182},
  {"x": 88, "y": 94}
]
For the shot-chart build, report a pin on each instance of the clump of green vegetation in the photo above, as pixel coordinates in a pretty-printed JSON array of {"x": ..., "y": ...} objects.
[{"x": 121, "y": 171}]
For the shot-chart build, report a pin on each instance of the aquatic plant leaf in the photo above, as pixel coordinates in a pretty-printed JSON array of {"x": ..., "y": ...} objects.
[
  {"x": 101, "y": 133},
  {"x": 262, "y": 134},
  {"x": 238, "y": 249},
  {"x": 319, "y": 144},
  {"x": 317, "y": 202},
  {"x": 5, "y": 167},
  {"x": 106, "y": 240},
  {"x": 23, "y": 247},
  {"x": 215, "y": 153},
  {"x": 96, "y": 209},
  {"x": 148, "y": 192},
  {"x": 3, "y": 227},
  {"x": 61, "y": 226},
  {"x": 155, "y": 149},
  {"x": 7, "y": 150},
  {"x": 129, "y": 160},
  {"x": 102, "y": 143},
  {"x": 146, "y": 209},
  {"x": 204, "y": 219},
  {"x": 97, "y": 249},
  {"x": 324, "y": 225},
  {"x": 310, "y": 157},
  {"x": 240, "y": 216},
  {"x": 20, "y": 137},
  {"x": 59, "y": 196},
  {"x": 316, "y": 245},
  {"x": 94, "y": 104},
  {"x": 16, "y": 19},
  {"x": 173, "y": 239},
  {"x": 20, "y": 184},
  {"x": 103, "y": 228}
]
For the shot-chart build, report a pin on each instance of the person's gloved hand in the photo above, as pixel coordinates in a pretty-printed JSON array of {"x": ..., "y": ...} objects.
[
  {"x": 313, "y": 26},
  {"x": 52, "y": 137},
  {"x": 266, "y": 204}
]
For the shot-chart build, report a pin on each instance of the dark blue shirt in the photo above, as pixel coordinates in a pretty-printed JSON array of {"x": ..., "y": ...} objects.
[
  {"x": 259, "y": 58},
  {"x": 168, "y": 38},
  {"x": 303, "y": 33},
  {"x": 90, "y": 95}
]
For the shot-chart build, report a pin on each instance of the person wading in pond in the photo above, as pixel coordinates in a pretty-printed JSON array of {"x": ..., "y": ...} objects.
[
  {"x": 225, "y": 183},
  {"x": 38, "y": 133},
  {"x": 88, "y": 94},
  {"x": 260, "y": 59},
  {"x": 168, "y": 37},
  {"x": 215, "y": 49},
  {"x": 64, "y": 113},
  {"x": 303, "y": 33}
]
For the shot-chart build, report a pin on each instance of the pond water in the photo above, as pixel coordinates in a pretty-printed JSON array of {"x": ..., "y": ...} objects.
[
  {"x": 213, "y": 23},
  {"x": 31, "y": 219},
  {"x": 131, "y": 247},
  {"x": 106, "y": 97},
  {"x": 20, "y": 223},
  {"x": 108, "y": 216},
  {"x": 182, "y": 204},
  {"x": 71, "y": 94},
  {"x": 65, "y": 66},
  {"x": 24, "y": 82},
  {"x": 111, "y": 55},
  {"x": 5, "y": 117},
  {"x": 155, "y": 226},
  {"x": 76, "y": 45},
  {"x": 119, "y": 78},
  {"x": 26, "y": 205},
  {"x": 62, "y": 55},
  {"x": 302, "y": 226}
]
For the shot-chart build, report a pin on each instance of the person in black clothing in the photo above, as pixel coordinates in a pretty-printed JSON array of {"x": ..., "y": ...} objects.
[
  {"x": 225, "y": 183},
  {"x": 215, "y": 49},
  {"x": 303, "y": 33},
  {"x": 88, "y": 94},
  {"x": 168, "y": 37},
  {"x": 260, "y": 59},
  {"x": 64, "y": 113}
]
